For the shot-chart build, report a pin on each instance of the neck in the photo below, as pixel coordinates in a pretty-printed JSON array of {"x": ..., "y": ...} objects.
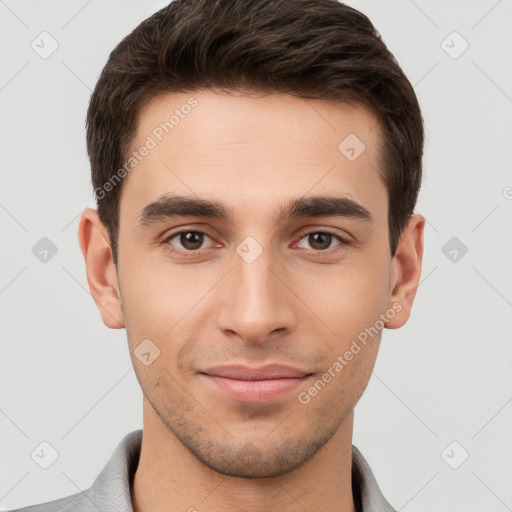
[{"x": 168, "y": 477}]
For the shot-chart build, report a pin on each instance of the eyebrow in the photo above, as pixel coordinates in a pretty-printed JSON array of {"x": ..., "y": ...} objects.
[{"x": 169, "y": 206}]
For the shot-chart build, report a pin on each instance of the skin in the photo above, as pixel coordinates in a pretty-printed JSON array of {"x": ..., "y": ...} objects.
[{"x": 201, "y": 449}]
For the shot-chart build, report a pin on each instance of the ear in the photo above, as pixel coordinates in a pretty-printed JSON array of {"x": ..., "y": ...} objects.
[
  {"x": 406, "y": 271},
  {"x": 101, "y": 272}
]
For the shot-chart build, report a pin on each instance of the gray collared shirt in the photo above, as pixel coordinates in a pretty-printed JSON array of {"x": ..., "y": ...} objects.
[{"x": 110, "y": 491}]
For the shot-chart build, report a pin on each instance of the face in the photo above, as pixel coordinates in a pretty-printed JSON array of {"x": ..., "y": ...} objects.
[{"x": 251, "y": 301}]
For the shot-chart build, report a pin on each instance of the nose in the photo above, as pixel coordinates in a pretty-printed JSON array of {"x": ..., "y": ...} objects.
[{"x": 256, "y": 300}]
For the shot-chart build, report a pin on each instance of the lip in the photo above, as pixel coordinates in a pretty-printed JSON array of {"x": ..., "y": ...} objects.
[{"x": 255, "y": 385}]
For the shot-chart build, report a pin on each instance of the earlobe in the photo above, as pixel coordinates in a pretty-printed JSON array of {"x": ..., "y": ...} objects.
[
  {"x": 101, "y": 272},
  {"x": 407, "y": 271}
]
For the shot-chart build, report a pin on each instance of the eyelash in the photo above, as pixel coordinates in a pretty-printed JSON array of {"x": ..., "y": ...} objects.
[{"x": 313, "y": 252}]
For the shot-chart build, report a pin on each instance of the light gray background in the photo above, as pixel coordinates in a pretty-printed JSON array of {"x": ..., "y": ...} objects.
[{"x": 445, "y": 376}]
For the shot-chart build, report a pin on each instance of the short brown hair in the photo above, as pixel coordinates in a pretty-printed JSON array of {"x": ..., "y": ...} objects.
[{"x": 316, "y": 49}]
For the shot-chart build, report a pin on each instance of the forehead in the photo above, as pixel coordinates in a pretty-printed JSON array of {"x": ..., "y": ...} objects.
[{"x": 252, "y": 152}]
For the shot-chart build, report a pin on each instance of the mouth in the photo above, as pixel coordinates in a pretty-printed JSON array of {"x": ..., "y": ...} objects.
[{"x": 255, "y": 385}]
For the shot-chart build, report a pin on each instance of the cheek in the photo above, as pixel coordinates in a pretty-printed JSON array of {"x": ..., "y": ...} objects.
[
  {"x": 156, "y": 295},
  {"x": 351, "y": 298},
  {"x": 163, "y": 305},
  {"x": 352, "y": 308}
]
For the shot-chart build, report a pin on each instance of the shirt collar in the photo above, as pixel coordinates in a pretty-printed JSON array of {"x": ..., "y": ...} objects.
[{"x": 112, "y": 485}]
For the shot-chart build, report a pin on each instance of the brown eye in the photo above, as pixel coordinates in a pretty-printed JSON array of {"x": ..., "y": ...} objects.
[
  {"x": 188, "y": 240},
  {"x": 320, "y": 240}
]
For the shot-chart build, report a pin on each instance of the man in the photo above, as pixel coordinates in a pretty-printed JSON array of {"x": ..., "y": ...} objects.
[{"x": 256, "y": 166}]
